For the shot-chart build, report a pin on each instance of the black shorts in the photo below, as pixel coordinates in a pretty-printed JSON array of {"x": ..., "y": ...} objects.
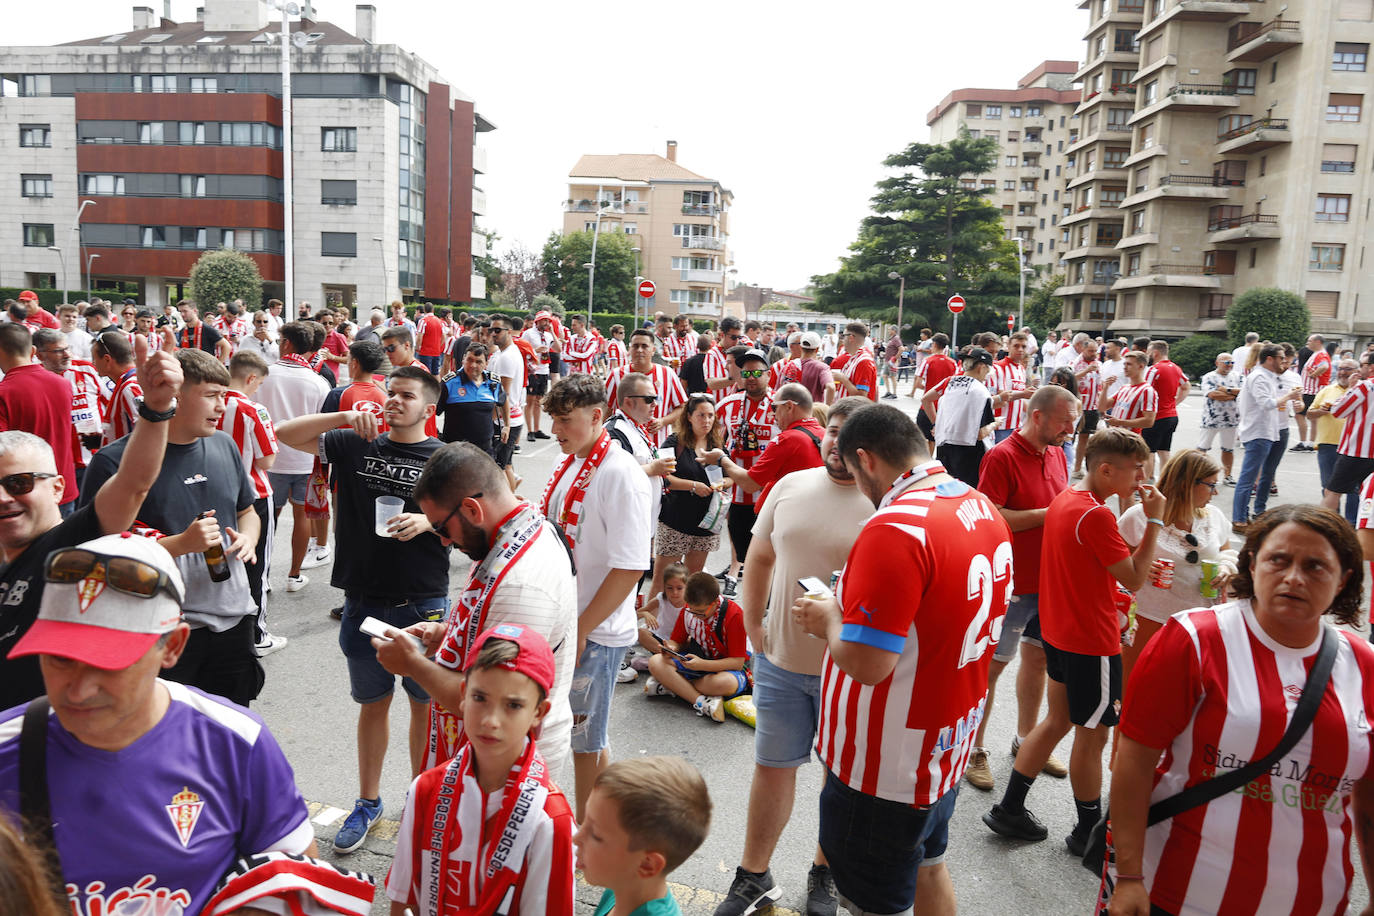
[
  {"x": 505, "y": 451},
  {"x": 1348, "y": 473},
  {"x": 221, "y": 663},
  {"x": 1307, "y": 400},
  {"x": 1093, "y": 683},
  {"x": 1160, "y": 437},
  {"x": 539, "y": 386},
  {"x": 740, "y": 524},
  {"x": 1088, "y": 426},
  {"x": 555, "y": 364},
  {"x": 924, "y": 424},
  {"x": 961, "y": 461}
]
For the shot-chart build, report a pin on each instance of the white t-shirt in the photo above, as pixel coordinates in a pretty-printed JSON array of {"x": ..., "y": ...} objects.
[
  {"x": 1241, "y": 355},
  {"x": 643, "y": 452},
  {"x": 667, "y": 616},
  {"x": 615, "y": 532},
  {"x": 962, "y": 411},
  {"x": 1113, "y": 375},
  {"x": 830, "y": 346},
  {"x": 1065, "y": 358},
  {"x": 1213, "y": 535},
  {"x": 79, "y": 344},
  {"x": 510, "y": 363},
  {"x": 537, "y": 339},
  {"x": 288, "y": 392}
]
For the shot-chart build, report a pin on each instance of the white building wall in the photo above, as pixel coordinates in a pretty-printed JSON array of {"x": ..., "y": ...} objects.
[{"x": 58, "y": 160}]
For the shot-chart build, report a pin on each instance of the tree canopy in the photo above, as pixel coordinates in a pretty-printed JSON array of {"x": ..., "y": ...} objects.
[
  {"x": 224, "y": 275},
  {"x": 1274, "y": 314},
  {"x": 563, "y": 257}
]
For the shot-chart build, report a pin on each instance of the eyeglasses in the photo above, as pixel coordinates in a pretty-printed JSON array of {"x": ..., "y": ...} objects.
[
  {"x": 752, "y": 373},
  {"x": 442, "y": 527},
  {"x": 646, "y": 398},
  {"x": 1209, "y": 484},
  {"x": 390, "y": 348},
  {"x": 21, "y": 483},
  {"x": 125, "y": 574}
]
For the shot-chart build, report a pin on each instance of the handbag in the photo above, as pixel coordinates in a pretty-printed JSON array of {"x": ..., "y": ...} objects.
[{"x": 1095, "y": 853}]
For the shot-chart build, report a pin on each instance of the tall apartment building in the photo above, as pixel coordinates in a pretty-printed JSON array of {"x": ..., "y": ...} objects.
[
  {"x": 1034, "y": 123},
  {"x": 679, "y": 220},
  {"x": 1220, "y": 152},
  {"x": 166, "y": 140}
]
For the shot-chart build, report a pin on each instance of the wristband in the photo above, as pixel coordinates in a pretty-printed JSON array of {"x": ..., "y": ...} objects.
[
  {"x": 1156, "y": 521},
  {"x": 153, "y": 416},
  {"x": 1121, "y": 878}
]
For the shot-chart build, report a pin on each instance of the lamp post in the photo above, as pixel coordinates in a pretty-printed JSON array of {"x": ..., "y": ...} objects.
[
  {"x": 89, "y": 259},
  {"x": 1021, "y": 271},
  {"x": 288, "y": 9},
  {"x": 636, "y": 249},
  {"x": 63, "y": 259},
  {"x": 76, "y": 223},
  {"x": 901, "y": 295},
  {"x": 591, "y": 266},
  {"x": 381, "y": 250}
]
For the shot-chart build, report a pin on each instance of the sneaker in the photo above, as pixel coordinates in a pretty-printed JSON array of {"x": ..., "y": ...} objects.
[
  {"x": 714, "y": 707},
  {"x": 749, "y": 893},
  {"x": 889, "y": 397},
  {"x": 336, "y": 613},
  {"x": 1273, "y": 489},
  {"x": 1230, "y": 481},
  {"x": 317, "y": 557},
  {"x": 730, "y": 588},
  {"x": 979, "y": 774},
  {"x": 1240, "y": 528},
  {"x": 357, "y": 825},
  {"x": 296, "y": 583},
  {"x": 1053, "y": 766},
  {"x": 652, "y": 688},
  {"x": 822, "y": 898},
  {"x": 626, "y": 674},
  {"x": 723, "y": 574},
  {"x": 1300, "y": 447},
  {"x": 1077, "y": 844},
  {"x": 269, "y": 644},
  {"x": 1023, "y": 826},
  {"x": 640, "y": 663}
]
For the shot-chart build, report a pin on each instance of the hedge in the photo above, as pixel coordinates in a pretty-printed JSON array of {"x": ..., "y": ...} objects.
[{"x": 51, "y": 298}]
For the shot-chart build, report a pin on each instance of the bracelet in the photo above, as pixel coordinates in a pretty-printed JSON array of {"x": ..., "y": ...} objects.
[
  {"x": 1121, "y": 878},
  {"x": 1156, "y": 521},
  {"x": 156, "y": 416}
]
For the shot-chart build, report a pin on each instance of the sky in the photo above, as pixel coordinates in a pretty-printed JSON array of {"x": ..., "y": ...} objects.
[{"x": 790, "y": 106}]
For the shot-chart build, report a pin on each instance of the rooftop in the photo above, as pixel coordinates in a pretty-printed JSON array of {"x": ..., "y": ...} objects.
[
  {"x": 195, "y": 33},
  {"x": 633, "y": 167}
]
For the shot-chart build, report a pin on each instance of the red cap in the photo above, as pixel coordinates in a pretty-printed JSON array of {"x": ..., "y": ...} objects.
[
  {"x": 540, "y": 316},
  {"x": 28, "y": 295},
  {"x": 534, "y": 658}
]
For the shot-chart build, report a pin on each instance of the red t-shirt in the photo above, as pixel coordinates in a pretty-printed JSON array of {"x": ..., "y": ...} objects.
[
  {"x": 792, "y": 450},
  {"x": 42, "y": 318},
  {"x": 1014, "y": 476},
  {"x": 336, "y": 343},
  {"x": 936, "y": 369},
  {"x": 37, "y": 401},
  {"x": 708, "y": 633},
  {"x": 1077, "y": 593},
  {"x": 365, "y": 396},
  {"x": 432, "y": 338},
  {"x": 1165, "y": 377}
]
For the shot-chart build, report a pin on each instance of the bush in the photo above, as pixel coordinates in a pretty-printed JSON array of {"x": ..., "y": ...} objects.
[
  {"x": 50, "y": 299},
  {"x": 1197, "y": 355},
  {"x": 550, "y": 303},
  {"x": 223, "y": 276},
  {"x": 1275, "y": 314}
]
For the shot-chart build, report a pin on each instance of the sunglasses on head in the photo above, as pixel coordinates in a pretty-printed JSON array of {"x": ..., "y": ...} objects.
[
  {"x": 21, "y": 483},
  {"x": 752, "y": 373},
  {"x": 125, "y": 574},
  {"x": 700, "y": 397}
]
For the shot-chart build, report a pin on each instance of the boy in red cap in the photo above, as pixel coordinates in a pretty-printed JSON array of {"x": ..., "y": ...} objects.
[{"x": 489, "y": 832}]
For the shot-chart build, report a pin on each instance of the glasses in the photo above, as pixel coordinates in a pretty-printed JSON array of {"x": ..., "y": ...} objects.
[
  {"x": 1209, "y": 484},
  {"x": 646, "y": 398},
  {"x": 442, "y": 527},
  {"x": 21, "y": 483},
  {"x": 700, "y": 397},
  {"x": 390, "y": 348},
  {"x": 752, "y": 373},
  {"x": 55, "y": 350},
  {"x": 125, "y": 574},
  {"x": 1191, "y": 540}
]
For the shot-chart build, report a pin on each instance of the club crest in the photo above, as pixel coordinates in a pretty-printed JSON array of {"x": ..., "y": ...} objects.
[{"x": 185, "y": 811}]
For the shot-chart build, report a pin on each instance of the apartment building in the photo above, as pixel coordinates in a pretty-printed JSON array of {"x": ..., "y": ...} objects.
[
  {"x": 679, "y": 221},
  {"x": 1219, "y": 152},
  {"x": 130, "y": 155},
  {"x": 1035, "y": 125}
]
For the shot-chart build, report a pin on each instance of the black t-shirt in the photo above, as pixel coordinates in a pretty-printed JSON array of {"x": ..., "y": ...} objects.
[
  {"x": 326, "y": 372},
  {"x": 209, "y": 338},
  {"x": 366, "y": 564},
  {"x": 21, "y": 590},
  {"x": 469, "y": 408},
  {"x": 693, "y": 374},
  {"x": 459, "y": 350},
  {"x": 681, "y": 510}
]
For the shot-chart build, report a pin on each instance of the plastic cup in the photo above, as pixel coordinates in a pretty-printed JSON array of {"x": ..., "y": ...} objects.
[
  {"x": 386, "y": 508},
  {"x": 668, "y": 455}
]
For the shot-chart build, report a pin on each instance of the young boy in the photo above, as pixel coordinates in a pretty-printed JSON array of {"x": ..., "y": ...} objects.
[
  {"x": 644, "y": 817},
  {"x": 460, "y": 849},
  {"x": 659, "y": 617},
  {"x": 713, "y": 647}
]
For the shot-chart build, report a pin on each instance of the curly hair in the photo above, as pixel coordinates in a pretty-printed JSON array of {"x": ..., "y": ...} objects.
[{"x": 1345, "y": 609}]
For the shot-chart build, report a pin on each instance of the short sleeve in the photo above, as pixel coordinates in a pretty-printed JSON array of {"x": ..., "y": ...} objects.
[
  {"x": 1163, "y": 690},
  {"x": 736, "y": 641},
  {"x": 1097, "y": 531},
  {"x": 400, "y": 877},
  {"x": 338, "y": 446},
  {"x": 763, "y": 522},
  {"x": 675, "y": 395},
  {"x": 875, "y": 613},
  {"x": 625, "y": 511},
  {"x": 1131, "y": 525},
  {"x": 275, "y": 817}
]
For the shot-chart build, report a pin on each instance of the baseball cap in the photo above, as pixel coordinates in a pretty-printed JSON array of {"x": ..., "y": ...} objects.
[
  {"x": 978, "y": 354},
  {"x": 95, "y": 622},
  {"x": 751, "y": 353},
  {"x": 533, "y": 658},
  {"x": 810, "y": 340},
  {"x": 28, "y": 295},
  {"x": 540, "y": 316}
]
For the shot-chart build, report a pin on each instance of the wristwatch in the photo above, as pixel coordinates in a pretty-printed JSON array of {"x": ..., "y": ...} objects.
[{"x": 153, "y": 416}]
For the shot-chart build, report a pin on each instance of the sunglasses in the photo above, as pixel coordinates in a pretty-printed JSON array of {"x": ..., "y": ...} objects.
[
  {"x": 125, "y": 574},
  {"x": 1191, "y": 539},
  {"x": 752, "y": 373},
  {"x": 442, "y": 527},
  {"x": 21, "y": 483},
  {"x": 390, "y": 348},
  {"x": 646, "y": 398}
]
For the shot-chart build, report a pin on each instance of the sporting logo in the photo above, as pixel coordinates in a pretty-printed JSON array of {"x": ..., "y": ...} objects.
[{"x": 185, "y": 811}]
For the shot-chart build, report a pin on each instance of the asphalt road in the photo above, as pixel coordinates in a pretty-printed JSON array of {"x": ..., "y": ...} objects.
[{"x": 307, "y": 705}]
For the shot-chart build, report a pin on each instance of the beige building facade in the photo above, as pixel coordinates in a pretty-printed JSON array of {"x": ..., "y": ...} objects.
[{"x": 678, "y": 220}]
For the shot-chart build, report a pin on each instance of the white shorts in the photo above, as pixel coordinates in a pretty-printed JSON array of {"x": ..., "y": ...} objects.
[
  {"x": 1366, "y": 517},
  {"x": 1209, "y": 435}
]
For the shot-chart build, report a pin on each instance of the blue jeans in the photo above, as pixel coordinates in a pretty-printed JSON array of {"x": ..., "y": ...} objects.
[
  {"x": 1326, "y": 463},
  {"x": 1256, "y": 456}
]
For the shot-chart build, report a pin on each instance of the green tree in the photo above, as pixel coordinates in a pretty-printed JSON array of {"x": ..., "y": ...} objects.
[
  {"x": 1274, "y": 314},
  {"x": 1197, "y": 355},
  {"x": 548, "y": 302},
  {"x": 939, "y": 233},
  {"x": 1044, "y": 309},
  {"x": 223, "y": 276},
  {"x": 487, "y": 265},
  {"x": 563, "y": 257}
]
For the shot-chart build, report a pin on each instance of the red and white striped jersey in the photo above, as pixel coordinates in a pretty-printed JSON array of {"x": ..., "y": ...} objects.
[
  {"x": 1365, "y": 516},
  {"x": 250, "y": 426},
  {"x": 862, "y": 371},
  {"x": 580, "y": 353},
  {"x": 714, "y": 364},
  {"x": 88, "y": 405},
  {"x": 907, "y": 739},
  {"x": 1090, "y": 384},
  {"x": 1214, "y": 692},
  {"x": 1134, "y": 401},
  {"x": 1008, "y": 376},
  {"x": 1316, "y": 375},
  {"x": 668, "y": 387},
  {"x": 154, "y": 338},
  {"x": 123, "y": 413},
  {"x": 616, "y": 354},
  {"x": 749, "y": 427},
  {"x": 680, "y": 348},
  {"x": 233, "y": 330},
  {"x": 1357, "y": 409},
  {"x": 783, "y": 372}
]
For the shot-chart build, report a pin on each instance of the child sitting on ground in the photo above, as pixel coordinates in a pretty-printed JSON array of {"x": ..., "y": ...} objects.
[
  {"x": 704, "y": 661},
  {"x": 644, "y": 817},
  {"x": 488, "y": 831},
  {"x": 658, "y": 617}
]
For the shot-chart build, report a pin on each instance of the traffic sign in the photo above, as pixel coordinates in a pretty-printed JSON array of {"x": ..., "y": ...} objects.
[
  {"x": 646, "y": 289},
  {"x": 1011, "y": 322},
  {"x": 956, "y": 303}
]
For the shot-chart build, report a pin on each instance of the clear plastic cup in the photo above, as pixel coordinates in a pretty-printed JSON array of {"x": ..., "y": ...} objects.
[{"x": 386, "y": 508}]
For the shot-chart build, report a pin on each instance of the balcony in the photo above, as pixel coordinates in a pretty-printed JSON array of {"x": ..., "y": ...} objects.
[
  {"x": 1091, "y": 212},
  {"x": 1195, "y": 276},
  {"x": 479, "y": 245},
  {"x": 1196, "y": 11},
  {"x": 1251, "y": 41},
  {"x": 1244, "y": 228},
  {"x": 1030, "y": 168},
  {"x": 703, "y": 243},
  {"x": 479, "y": 159},
  {"x": 607, "y": 206},
  {"x": 700, "y": 210},
  {"x": 713, "y": 277},
  {"x": 1186, "y": 187},
  {"x": 1201, "y": 97},
  {"x": 1253, "y": 136},
  {"x": 1026, "y": 220},
  {"x": 479, "y": 202}
]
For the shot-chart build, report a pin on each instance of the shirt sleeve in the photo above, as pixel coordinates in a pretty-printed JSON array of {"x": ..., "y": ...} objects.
[
  {"x": 1163, "y": 690},
  {"x": 547, "y": 881},
  {"x": 994, "y": 476},
  {"x": 865, "y": 377},
  {"x": 736, "y": 640},
  {"x": 275, "y": 818},
  {"x": 625, "y": 514},
  {"x": 400, "y": 878},
  {"x": 774, "y": 461},
  {"x": 680, "y": 628},
  {"x": 102, "y": 468},
  {"x": 1097, "y": 531},
  {"x": 874, "y": 613}
]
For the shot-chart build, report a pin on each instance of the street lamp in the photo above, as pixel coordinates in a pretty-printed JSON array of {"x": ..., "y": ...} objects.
[
  {"x": 591, "y": 267},
  {"x": 1021, "y": 271},
  {"x": 381, "y": 250},
  {"x": 89, "y": 259},
  {"x": 63, "y": 258},
  {"x": 901, "y": 294},
  {"x": 288, "y": 9},
  {"x": 70, "y": 236},
  {"x": 636, "y": 249}
]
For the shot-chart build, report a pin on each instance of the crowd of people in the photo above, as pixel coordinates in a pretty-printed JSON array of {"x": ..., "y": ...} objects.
[{"x": 1033, "y": 507}]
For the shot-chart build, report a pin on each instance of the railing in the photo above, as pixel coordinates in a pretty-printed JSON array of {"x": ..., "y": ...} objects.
[
  {"x": 1206, "y": 181},
  {"x": 1251, "y": 126},
  {"x": 1107, "y": 240},
  {"x": 1131, "y": 47},
  {"x": 1124, "y": 88},
  {"x": 1107, "y": 278},
  {"x": 1202, "y": 89},
  {"x": 1030, "y": 166},
  {"x": 1231, "y": 222},
  {"x": 1241, "y": 35},
  {"x": 1329, "y": 165},
  {"x": 1130, "y": 7},
  {"x": 339, "y": 201},
  {"x": 1118, "y": 128},
  {"x": 700, "y": 210},
  {"x": 120, "y": 141},
  {"x": 1191, "y": 270},
  {"x": 705, "y": 242}
]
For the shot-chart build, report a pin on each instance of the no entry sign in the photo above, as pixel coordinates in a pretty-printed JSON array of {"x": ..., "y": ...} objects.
[
  {"x": 956, "y": 303},
  {"x": 646, "y": 289}
]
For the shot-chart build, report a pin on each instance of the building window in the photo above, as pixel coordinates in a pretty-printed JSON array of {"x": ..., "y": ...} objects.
[
  {"x": 630, "y": 228},
  {"x": 1011, "y": 162},
  {"x": 247, "y": 239},
  {"x": 339, "y": 193},
  {"x": 1341, "y": 106},
  {"x": 1033, "y": 111},
  {"x": 150, "y": 132},
  {"x": 1102, "y": 309},
  {"x": 192, "y": 237},
  {"x": 190, "y": 133},
  {"x": 1338, "y": 157},
  {"x": 153, "y": 236},
  {"x": 38, "y": 235},
  {"x": 157, "y": 83},
  {"x": 1009, "y": 185},
  {"x": 1243, "y": 81},
  {"x": 36, "y": 85},
  {"x": 192, "y": 185},
  {"x": 1333, "y": 208},
  {"x": 1323, "y": 303},
  {"x": 1349, "y": 55},
  {"x": 35, "y": 135},
  {"x": 1137, "y": 221},
  {"x": 204, "y": 84},
  {"x": 1114, "y": 157},
  {"x": 102, "y": 185},
  {"x": 1014, "y": 111},
  {"x": 1151, "y": 92},
  {"x": 1142, "y": 178},
  {"x": 36, "y": 185},
  {"x": 339, "y": 139},
  {"x": 992, "y": 112},
  {"x": 1327, "y": 257},
  {"x": 1133, "y": 265},
  {"x": 339, "y": 244},
  {"x": 973, "y": 111}
]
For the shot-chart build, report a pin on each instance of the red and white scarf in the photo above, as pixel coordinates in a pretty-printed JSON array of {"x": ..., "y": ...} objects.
[
  {"x": 295, "y": 359},
  {"x": 515, "y": 534},
  {"x": 190, "y": 340},
  {"x": 569, "y": 517},
  {"x": 909, "y": 479}
]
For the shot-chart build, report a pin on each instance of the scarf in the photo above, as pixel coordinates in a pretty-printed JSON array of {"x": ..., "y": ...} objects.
[
  {"x": 190, "y": 342},
  {"x": 569, "y": 519},
  {"x": 515, "y": 534},
  {"x": 910, "y": 479},
  {"x": 295, "y": 359}
]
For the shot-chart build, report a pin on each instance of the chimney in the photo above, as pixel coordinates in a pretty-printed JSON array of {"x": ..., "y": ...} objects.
[
  {"x": 167, "y": 10},
  {"x": 200, "y": 14},
  {"x": 367, "y": 23},
  {"x": 672, "y": 151},
  {"x": 143, "y": 18}
]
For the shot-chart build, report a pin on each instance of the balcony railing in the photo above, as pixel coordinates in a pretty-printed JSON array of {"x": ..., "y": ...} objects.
[
  {"x": 700, "y": 210},
  {"x": 1202, "y": 89},
  {"x": 1241, "y": 35},
  {"x": 1130, "y": 7},
  {"x": 1118, "y": 128},
  {"x": 1251, "y": 126},
  {"x": 704, "y": 242},
  {"x": 1106, "y": 277},
  {"x": 1202, "y": 181},
  {"x": 1231, "y": 222},
  {"x": 1130, "y": 47},
  {"x": 1123, "y": 88},
  {"x": 1191, "y": 270}
]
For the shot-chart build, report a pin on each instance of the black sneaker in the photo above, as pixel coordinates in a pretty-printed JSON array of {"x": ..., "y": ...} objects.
[
  {"x": 749, "y": 893},
  {"x": 822, "y": 899},
  {"x": 723, "y": 574},
  {"x": 731, "y": 587},
  {"x": 1077, "y": 844},
  {"x": 1023, "y": 826}
]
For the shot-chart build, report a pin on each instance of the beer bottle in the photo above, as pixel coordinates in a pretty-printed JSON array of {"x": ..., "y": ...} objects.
[{"x": 215, "y": 559}]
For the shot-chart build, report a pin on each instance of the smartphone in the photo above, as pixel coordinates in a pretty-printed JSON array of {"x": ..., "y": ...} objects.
[
  {"x": 663, "y": 645},
  {"x": 814, "y": 588},
  {"x": 374, "y": 627}
]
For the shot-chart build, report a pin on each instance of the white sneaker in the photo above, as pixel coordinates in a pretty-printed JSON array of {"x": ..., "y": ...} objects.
[
  {"x": 269, "y": 645},
  {"x": 626, "y": 674},
  {"x": 317, "y": 557},
  {"x": 296, "y": 583},
  {"x": 652, "y": 688}
]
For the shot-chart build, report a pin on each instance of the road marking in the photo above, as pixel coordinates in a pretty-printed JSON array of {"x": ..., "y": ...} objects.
[
  {"x": 325, "y": 815},
  {"x": 328, "y": 815}
]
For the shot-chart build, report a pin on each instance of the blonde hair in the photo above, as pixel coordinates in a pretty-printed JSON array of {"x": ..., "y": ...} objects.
[
  {"x": 663, "y": 805},
  {"x": 1184, "y": 471}
]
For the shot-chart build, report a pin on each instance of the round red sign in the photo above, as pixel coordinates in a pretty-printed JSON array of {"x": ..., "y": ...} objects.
[
  {"x": 646, "y": 289},
  {"x": 956, "y": 303}
]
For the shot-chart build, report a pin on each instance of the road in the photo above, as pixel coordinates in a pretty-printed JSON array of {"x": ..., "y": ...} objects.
[{"x": 307, "y": 706}]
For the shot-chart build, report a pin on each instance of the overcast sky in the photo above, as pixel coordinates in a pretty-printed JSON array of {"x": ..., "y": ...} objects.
[{"x": 790, "y": 106}]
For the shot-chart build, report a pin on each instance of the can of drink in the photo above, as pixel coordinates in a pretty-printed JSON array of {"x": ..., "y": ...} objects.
[
  {"x": 1162, "y": 574},
  {"x": 1209, "y": 570}
]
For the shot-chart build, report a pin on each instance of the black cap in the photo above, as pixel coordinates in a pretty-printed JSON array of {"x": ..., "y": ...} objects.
[
  {"x": 752, "y": 353},
  {"x": 978, "y": 354},
  {"x": 130, "y": 301}
]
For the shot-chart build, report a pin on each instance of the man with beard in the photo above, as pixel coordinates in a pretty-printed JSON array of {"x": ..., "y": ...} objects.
[
  {"x": 521, "y": 574},
  {"x": 787, "y": 662}
]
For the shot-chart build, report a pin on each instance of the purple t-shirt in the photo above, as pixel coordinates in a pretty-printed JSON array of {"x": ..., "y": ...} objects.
[{"x": 163, "y": 819}]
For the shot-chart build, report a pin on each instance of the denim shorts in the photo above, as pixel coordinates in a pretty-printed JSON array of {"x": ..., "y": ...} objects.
[
  {"x": 741, "y": 678},
  {"x": 288, "y": 486},
  {"x": 368, "y": 681},
  {"x": 875, "y": 846},
  {"x": 1022, "y": 624},
  {"x": 789, "y": 708},
  {"x": 593, "y": 683}
]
